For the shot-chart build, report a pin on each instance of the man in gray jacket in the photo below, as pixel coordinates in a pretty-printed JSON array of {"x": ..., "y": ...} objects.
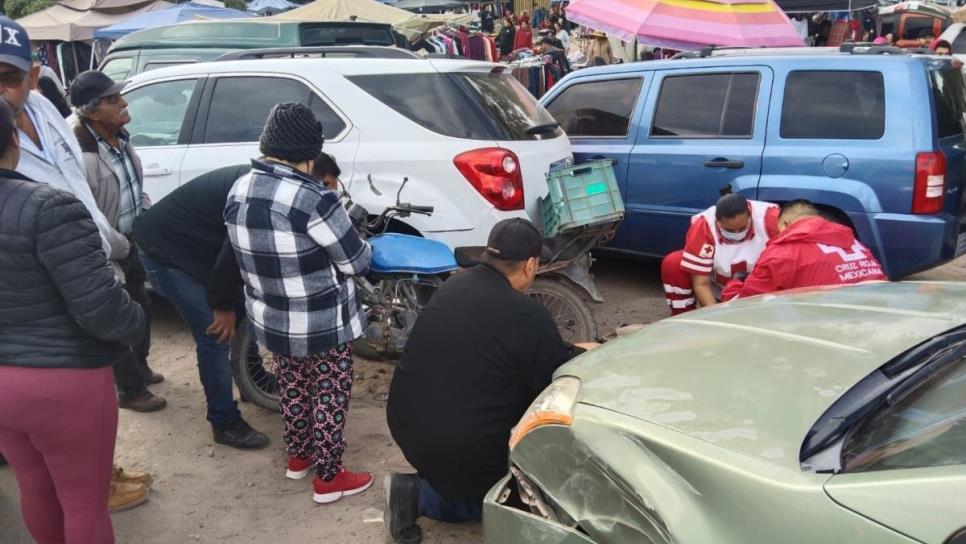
[{"x": 113, "y": 171}]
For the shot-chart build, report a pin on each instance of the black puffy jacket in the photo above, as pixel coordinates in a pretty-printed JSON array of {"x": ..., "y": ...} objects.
[{"x": 60, "y": 306}]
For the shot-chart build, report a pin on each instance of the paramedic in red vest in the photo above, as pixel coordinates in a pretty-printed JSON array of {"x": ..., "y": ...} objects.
[
  {"x": 723, "y": 242},
  {"x": 810, "y": 251}
]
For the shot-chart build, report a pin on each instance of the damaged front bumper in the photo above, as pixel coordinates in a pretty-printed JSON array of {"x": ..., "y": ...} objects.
[{"x": 503, "y": 523}]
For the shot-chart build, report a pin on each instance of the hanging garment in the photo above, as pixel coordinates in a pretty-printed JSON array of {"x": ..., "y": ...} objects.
[{"x": 475, "y": 50}]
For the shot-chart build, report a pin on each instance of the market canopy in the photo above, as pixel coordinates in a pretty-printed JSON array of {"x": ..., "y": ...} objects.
[
  {"x": 687, "y": 25},
  {"x": 270, "y": 7},
  {"x": 406, "y": 23},
  {"x": 168, "y": 16},
  {"x": 77, "y": 20}
]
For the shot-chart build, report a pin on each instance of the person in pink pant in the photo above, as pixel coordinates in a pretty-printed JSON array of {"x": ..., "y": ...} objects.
[{"x": 63, "y": 320}]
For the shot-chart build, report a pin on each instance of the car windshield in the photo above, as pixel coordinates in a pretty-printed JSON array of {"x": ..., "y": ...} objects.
[
  {"x": 475, "y": 106},
  {"x": 920, "y": 425}
]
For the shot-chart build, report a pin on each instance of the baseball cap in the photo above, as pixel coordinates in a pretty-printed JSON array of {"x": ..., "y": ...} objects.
[
  {"x": 515, "y": 239},
  {"x": 91, "y": 85},
  {"x": 14, "y": 45}
]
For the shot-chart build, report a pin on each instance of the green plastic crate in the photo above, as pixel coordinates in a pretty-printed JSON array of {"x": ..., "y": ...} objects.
[{"x": 581, "y": 195}]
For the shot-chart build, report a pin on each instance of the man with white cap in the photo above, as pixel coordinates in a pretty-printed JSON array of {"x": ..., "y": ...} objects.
[{"x": 50, "y": 153}]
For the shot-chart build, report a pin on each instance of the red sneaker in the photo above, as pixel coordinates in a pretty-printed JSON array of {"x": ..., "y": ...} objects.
[
  {"x": 298, "y": 468},
  {"x": 344, "y": 484}
]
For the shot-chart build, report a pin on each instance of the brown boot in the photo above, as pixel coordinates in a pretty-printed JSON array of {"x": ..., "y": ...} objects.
[
  {"x": 128, "y": 476},
  {"x": 145, "y": 401},
  {"x": 125, "y": 496}
]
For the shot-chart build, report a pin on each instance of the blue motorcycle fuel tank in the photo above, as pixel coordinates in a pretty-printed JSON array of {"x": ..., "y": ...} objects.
[{"x": 401, "y": 253}]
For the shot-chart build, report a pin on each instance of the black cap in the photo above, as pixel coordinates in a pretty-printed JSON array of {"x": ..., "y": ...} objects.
[
  {"x": 515, "y": 240},
  {"x": 92, "y": 85}
]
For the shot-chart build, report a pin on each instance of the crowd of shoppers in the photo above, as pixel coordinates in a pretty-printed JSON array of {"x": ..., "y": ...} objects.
[{"x": 271, "y": 241}]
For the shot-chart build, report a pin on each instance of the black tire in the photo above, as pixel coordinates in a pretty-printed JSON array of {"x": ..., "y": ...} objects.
[
  {"x": 567, "y": 308},
  {"x": 254, "y": 374}
]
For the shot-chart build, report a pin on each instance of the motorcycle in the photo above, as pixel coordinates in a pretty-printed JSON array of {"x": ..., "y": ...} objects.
[{"x": 405, "y": 272}]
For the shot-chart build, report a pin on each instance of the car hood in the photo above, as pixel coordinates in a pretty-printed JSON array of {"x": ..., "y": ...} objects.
[{"x": 755, "y": 375}]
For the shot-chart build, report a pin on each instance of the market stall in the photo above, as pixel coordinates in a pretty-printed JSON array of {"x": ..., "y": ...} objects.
[
  {"x": 63, "y": 33},
  {"x": 408, "y": 24}
]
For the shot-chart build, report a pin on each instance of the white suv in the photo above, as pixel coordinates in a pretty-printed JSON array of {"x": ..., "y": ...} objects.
[{"x": 471, "y": 140}]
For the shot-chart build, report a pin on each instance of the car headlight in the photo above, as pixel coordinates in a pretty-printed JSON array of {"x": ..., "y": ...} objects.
[{"x": 554, "y": 406}]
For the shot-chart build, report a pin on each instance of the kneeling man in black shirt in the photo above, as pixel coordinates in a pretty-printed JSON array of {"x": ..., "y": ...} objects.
[{"x": 479, "y": 354}]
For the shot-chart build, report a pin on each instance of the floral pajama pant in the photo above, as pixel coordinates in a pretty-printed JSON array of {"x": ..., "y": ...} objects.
[{"x": 314, "y": 395}]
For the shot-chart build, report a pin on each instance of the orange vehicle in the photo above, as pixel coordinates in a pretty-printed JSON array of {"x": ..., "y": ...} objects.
[{"x": 910, "y": 21}]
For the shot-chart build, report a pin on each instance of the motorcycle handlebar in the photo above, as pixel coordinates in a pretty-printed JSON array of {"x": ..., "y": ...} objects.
[{"x": 419, "y": 209}]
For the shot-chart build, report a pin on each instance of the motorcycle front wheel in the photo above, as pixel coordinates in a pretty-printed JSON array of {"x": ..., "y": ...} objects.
[
  {"x": 254, "y": 369},
  {"x": 568, "y": 309}
]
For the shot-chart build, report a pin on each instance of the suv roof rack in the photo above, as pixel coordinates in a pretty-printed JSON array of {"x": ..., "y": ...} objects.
[
  {"x": 344, "y": 51},
  {"x": 706, "y": 52},
  {"x": 865, "y": 48}
]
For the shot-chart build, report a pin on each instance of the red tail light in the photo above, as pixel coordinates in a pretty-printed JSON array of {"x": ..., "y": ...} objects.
[
  {"x": 927, "y": 196},
  {"x": 495, "y": 173}
]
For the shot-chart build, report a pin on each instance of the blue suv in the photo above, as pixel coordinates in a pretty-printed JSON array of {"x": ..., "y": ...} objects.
[{"x": 876, "y": 140}]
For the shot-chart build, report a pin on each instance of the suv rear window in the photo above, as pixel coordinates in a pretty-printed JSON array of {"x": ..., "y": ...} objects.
[
  {"x": 834, "y": 105},
  {"x": 347, "y": 35},
  {"x": 474, "y": 106},
  {"x": 948, "y": 92}
]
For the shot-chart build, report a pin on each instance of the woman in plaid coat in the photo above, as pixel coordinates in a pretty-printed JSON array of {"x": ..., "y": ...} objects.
[{"x": 297, "y": 251}]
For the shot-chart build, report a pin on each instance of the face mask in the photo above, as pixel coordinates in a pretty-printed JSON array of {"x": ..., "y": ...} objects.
[{"x": 734, "y": 236}]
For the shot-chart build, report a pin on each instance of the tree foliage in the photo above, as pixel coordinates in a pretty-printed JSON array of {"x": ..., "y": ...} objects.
[{"x": 16, "y": 9}]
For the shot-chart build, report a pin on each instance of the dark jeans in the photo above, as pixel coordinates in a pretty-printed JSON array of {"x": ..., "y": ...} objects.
[
  {"x": 131, "y": 369},
  {"x": 432, "y": 505},
  {"x": 190, "y": 298}
]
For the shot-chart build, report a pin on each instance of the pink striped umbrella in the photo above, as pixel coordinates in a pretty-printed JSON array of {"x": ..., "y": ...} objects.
[{"x": 686, "y": 25}]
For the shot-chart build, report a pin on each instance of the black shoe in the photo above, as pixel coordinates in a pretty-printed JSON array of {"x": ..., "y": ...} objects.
[
  {"x": 3, "y": 460},
  {"x": 153, "y": 378},
  {"x": 239, "y": 434},
  {"x": 402, "y": 508},
  {"x": 145, "y": 401}
]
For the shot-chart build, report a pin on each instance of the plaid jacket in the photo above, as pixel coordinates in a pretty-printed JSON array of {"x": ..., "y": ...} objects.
[{"x": 295, "y": 247}]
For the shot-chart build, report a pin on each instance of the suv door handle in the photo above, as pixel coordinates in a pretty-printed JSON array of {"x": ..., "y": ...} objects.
[
  {"x": 725, "y": 163},
  {"x": 156, "y": 172},
  {"x": 601, "y": 157}
]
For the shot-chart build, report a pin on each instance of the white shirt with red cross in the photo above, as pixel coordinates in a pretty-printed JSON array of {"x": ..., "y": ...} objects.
[{"x": 708, "y": 253}]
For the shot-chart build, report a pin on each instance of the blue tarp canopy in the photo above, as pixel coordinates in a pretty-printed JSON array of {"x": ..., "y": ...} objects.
[
  {"x": 270, "y": 7},
  {"x": 168, "y": 16}
]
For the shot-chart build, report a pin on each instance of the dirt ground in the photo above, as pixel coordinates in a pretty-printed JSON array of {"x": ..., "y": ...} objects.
[{"x": 205, "y": 492}]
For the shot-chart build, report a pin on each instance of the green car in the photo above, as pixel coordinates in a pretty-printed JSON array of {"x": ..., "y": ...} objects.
[{"x": 819, "y": 416}]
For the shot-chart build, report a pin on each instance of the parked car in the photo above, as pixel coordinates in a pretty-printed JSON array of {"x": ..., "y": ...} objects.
[
  {"x": 471, "y": 141},
  {"x": 876, "y": 140},
  {"x": 201, "y": 41},
  {"x": 908, "y": 21},
  {"x": 835, "y": 415}
]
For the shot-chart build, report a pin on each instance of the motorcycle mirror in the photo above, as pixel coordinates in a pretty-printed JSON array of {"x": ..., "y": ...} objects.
[
  {"x": 401, "y": 187},
  {"x": 372, "y": 186}
]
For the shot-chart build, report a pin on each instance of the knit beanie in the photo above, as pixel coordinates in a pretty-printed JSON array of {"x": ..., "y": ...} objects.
[{"x": 292, "y": 133}]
